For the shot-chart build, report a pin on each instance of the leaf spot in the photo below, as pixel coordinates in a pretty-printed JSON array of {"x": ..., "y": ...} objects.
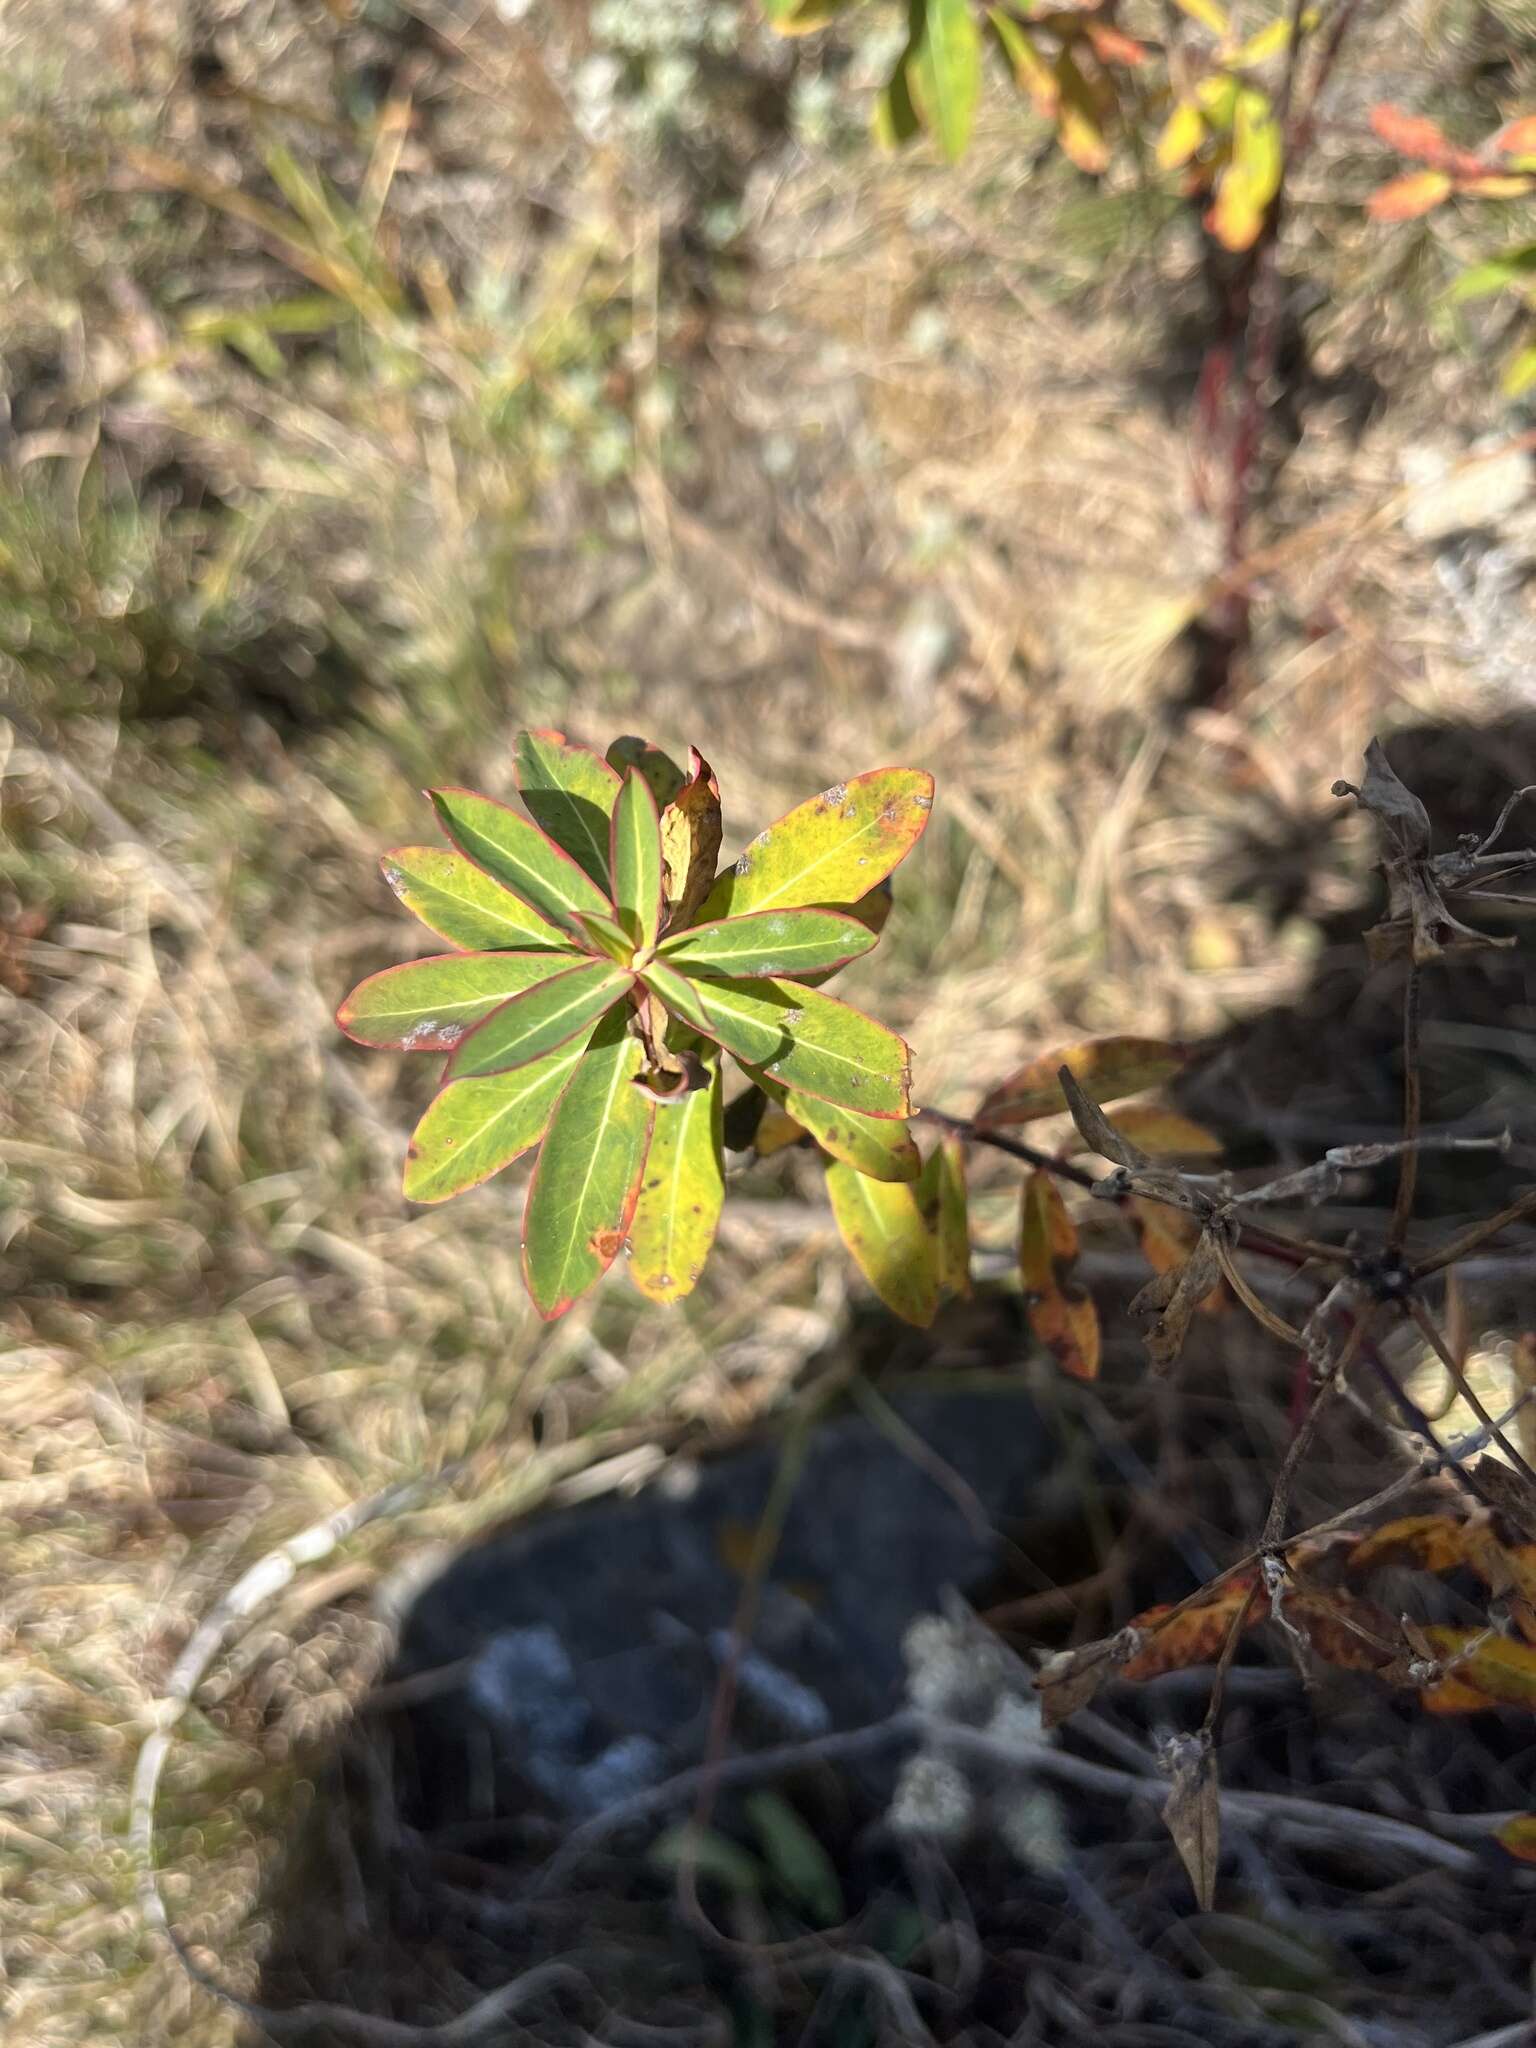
[
  {"x": 831, "y": 798},
  {"x": 605, "y": 1243},
  {"x": 743, "y": 865}
]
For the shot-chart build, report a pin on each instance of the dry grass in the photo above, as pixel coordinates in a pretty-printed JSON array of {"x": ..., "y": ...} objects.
[{"x": 806, "y": 526}]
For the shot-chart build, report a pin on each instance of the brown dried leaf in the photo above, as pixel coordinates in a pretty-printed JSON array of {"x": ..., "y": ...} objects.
[
  {"x": 1193, "y": 1812},
  {"x": 1061, "y": 1312},
  {"x": 690, "y": 843},
  {"x": 1491, "y": 1669},
  {"x": 1433, "y": 1542},
  {"x": 1074, "y": 1678},
  {"x": 1175, "y": 1296}
]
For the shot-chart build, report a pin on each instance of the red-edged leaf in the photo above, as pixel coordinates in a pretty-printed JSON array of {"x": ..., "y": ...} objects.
[
  {"x": 1516, "y": 138},
  {"x": 570, "y": 793},
  {"x": 636, "y": 860},
  {"x": 681, "y": 1193},
  {"x": 830, "y": 850},
  {"x": 543, "y": 1017},
  {"x": 770, "y": 942},
  {"x": 474, "y": 1128},
  {"x": 518, "y": 854},
  {"x": 658, "y": 768},
  {"x": 582, "y": 1196},
  {"x": 808, "y": 1041},
  {"x": 463, "y": 905},
  {"x": 430, "y": 1005},
  {"x": 1412, "y": 135},
  {"x": 1406, "y": 198},
  {"x": 880, "y": 1146}
]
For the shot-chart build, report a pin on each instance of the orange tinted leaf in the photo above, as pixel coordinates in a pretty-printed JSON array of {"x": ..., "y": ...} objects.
[
  {"x": 1061, "y": 1312},
  {"x": 1433, "y": 1542},
  {"x": 1344, "y": 1630},
  {"x": 1518, "y": 1836},
  {"x": 1197, "y": 1635},
  {"x": 1516, "y": 138},
  {"x": 1410, "y": 134},
  {"x": 1502, "y": 1672},
  {"x": 1080, "y": 117},
  {"x": 1496, "y": 185},
  {"x": 1407, "y": 198},
  {"x": 1107, "y": 1067},
  {"x": 1030, "y": 70},
  {"x": 1111, "y": 46}
]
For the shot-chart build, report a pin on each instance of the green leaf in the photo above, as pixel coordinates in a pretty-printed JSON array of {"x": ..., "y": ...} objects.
[
  {"x": 476, "y": 1127},
  {"x": 583, "y": 1192},
  {"x": 681, "y": 1194},
  {"x": 807, "y": 1041},
  {"x": 429, "y": 1005},
  {"x": 895, "y": 118},
  {"x": 519, "y": 854},
  {"x": 711, "y": 1854},
  {"x": 832, "y": 849},
  {"x": 677, "y": 992},
  {"x": 788, "y": 942},
  {"x": 880, "y": 1146},
  {"x": 570, "y": 793},
  {"x": 1481, "y": 280},
  {"x": 805, "y": 1871},
  {"x": 944, "y": 70},
  {"x": 881, "y": 1222},
  {"x": 607, "y": 935},
  {"x": 1519, "y": 373},
  {"x": 636, "y": 860},
  {"x": 658, "y": 768},
  {"x": 541, "y": 1018},
  {"x": 942, "y": 1197},
  {"x": 462, "y": 904}
]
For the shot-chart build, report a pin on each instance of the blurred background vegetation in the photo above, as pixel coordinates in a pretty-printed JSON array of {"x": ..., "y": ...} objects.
[{"x": 379, "y": 379}]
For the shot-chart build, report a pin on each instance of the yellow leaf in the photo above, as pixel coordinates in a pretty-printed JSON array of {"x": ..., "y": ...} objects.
[
  {"x": 1108, "y": 1068},
  {"x": 1182, "y": 135},
  {"x": 1163, "y": 1133},
  {"x": 1206, "y": 12},
  {"x": 881, "y": 1222}
]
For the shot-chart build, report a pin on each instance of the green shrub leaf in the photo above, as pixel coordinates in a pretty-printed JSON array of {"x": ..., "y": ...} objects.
[
  {"x": 519, "y": 854},
  {"x": 880, "y": 1146},
  {"x": 462, "y": 904},
  {"x": 570, "y": 793},
  {"x": 583, "y": 1192},
  {"x": 429, "y": 1005},
  {"x": 606, "y": 935},
  {"x": 944, "y": 70},
  {"x": 677, "y": 992},
  {"x": 941, "y": 1194},
  {"x": 832, "y": 849},
  {"x": 808, "y": 1041},
  {"x": 786, "y": 942},
  {"x": 541, "y": 1018},
  {"x": 881, "y": 1223},
  {"x": 476, "y": 1127},
  {"x": 681, "y": 1194},
  {"x": 636, "y": 860},
  {"x": 658, "y": 768}
]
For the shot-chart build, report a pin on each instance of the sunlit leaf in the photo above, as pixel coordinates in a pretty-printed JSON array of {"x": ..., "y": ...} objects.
[
  {"x": 1107, "y": 1067},
  {"x": 517, "y": 853},
  {"x": 894, "y": 119},
  {"x": 1206, "y": 12},
  {"x": 570, "y": 793},
  {"x": 944, "y": 74},
  {"x": 1061, "y": 1311},
  {"x": 541, "y": 1018},
  {"x": 681, "y": 1193},
  {"x": 1083, "y": 106},
  {"x": 1030, "y": 70},
  {"x": 942, "y": 1195},
  {"x": 1516, "y": 138},
  {"x": 1248, "y": 185},
  {"x": 1183, "y": 133},
  {"x": 1481, "y": 280},
  {"x": 636, "y": 860},
  {"x": 1519, "y": 373},
  {"x": 463, "y": 905},
  {"x": 690, "y": 843},
  {"x": 658, "y": 767},
  {"x": 880, "y": 1146},
  {"x": 584, "y": 1189},
  {"x": 806, "y": 1040},
  {"x": 1406, "y": 198},
  {"x": 1411, "y": 134},
  {"x": 881, "y": 1223},
  {"x": 606, "y": 935},
  {"x": 832, "y": 849},
  {"x": 782, "y": 942},
  {"x": 474, "y": 1128},
  {"x": 429, "y": 1005}
]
